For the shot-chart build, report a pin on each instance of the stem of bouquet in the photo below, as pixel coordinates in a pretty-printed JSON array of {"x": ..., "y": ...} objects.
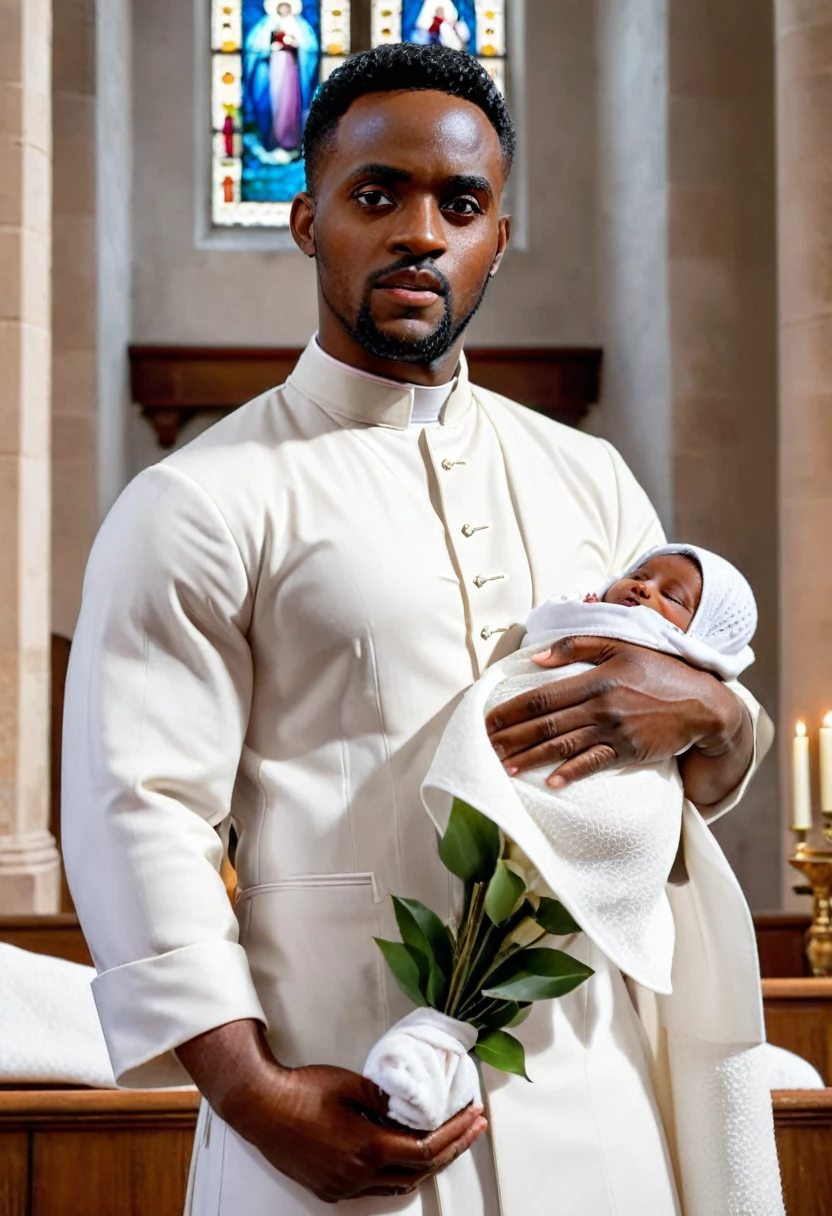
[{"x": 472, "y": 926}]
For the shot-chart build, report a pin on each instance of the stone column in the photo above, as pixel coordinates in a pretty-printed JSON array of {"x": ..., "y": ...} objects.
[
  {"x": 804, "y": 124},
  {"x": 29, "y": 866}
]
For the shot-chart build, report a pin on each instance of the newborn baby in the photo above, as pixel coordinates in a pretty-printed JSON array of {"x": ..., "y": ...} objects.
[{"x": 604, "y": 845}]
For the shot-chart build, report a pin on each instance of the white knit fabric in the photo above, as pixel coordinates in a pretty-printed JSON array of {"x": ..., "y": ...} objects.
[
  {"x": 726, "y": 619},
  {"x": 605, "y": 846},
  {"x": 423, "y": 1064}
]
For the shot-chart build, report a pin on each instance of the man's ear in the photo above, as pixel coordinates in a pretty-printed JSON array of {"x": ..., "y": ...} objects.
[
  {"x": 302, "y": 223},
  {"x": 503, "y": 237}
]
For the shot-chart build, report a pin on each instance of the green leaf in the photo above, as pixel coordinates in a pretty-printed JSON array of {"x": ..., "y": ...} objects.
[
  {"x": 500, "y": 1016},
  {"x": 424, "y": 932},
  {"x": 553, "y": 917},
  {"x": 523, "y": 1011},
  {"x": 505, "y": 893},
  {"x": 471, "y": 846},
  {"x": 408, "y": 968},
  {"x": 538, "y": 974},
  {"x": 503, "y": 1051}
]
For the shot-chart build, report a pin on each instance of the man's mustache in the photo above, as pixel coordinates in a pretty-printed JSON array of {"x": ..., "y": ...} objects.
[{"x": 443, "y": 287}]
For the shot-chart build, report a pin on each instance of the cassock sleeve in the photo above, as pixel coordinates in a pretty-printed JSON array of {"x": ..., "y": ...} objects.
[
  {"x": 156, "y": 710},
  {"x": 639, "y": 529}
]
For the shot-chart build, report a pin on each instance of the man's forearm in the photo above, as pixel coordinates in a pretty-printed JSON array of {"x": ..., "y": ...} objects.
[
  {"x": 716, "y": 766},
  {"x": 230, "y": 1065}
]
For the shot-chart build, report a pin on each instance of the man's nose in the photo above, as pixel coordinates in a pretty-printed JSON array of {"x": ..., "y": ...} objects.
[{"x": 420, "y": 230}]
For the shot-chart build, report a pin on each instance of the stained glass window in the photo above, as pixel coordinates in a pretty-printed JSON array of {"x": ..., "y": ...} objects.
[
  {"x": 268, "y": 57},
  {"x": 476, "y": 26}
]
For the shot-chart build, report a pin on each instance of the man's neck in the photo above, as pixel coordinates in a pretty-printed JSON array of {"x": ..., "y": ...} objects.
[{"x": 334, "y": 341}]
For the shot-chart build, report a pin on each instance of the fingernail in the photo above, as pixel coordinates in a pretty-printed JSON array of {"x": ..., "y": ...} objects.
[
  {"x": 556, "y": 782},
  {"x": 544, "y": 654},
  {"x": 499, "y": 751},
  {"x": 478, "y": 1109},
  {"x": 511, "y": 769}
]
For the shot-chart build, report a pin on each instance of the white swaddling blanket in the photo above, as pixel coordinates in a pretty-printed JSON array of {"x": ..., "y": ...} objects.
[{"x": 595, "y": 844}]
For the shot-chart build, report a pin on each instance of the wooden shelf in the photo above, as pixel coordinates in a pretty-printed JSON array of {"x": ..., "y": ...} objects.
[{"x": 172, "y": 384}]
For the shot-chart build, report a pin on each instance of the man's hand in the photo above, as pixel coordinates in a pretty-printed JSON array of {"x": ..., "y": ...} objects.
[
  {"x": 324, "y": 1127},
  {"x": 636, "y": 706}
]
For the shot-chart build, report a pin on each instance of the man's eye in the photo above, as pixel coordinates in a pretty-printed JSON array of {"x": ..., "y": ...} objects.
[
  {"x": 463, "y": 206},
  {"x": 372, "y": 198}
]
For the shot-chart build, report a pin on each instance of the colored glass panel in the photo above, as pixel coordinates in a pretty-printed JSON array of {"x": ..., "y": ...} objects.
[
  {"x": 268, "y": 58},
  {"x": 476, "y": 26}
]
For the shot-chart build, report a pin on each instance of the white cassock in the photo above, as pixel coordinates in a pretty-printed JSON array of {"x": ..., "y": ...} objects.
[{"x": 278, "y": 621}]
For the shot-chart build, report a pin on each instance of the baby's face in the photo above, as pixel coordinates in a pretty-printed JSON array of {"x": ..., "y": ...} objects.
[{"x": 670, "y": 584}]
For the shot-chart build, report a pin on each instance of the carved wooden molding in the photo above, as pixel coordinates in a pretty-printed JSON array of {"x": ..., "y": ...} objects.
[
  {"x": 74, "y": 1109},
  {"x": 802, "y": 1107},
  {"x": 173, "y": 383}
]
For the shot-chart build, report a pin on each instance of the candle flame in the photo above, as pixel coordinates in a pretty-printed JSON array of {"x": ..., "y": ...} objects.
[
  {"x": 827, "y": 719},
  {"x": 800, "y": 729}
]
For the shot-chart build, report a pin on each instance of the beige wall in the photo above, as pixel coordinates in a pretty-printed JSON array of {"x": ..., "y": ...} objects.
[
  {"x": 723, "y": 303},
  {"x": 74, "y": 447},
  {"x": 804, "y": 132},
  {"x": 688, "y": 290}
]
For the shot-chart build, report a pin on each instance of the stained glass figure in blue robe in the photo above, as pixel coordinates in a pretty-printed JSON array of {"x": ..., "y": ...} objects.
[{"x": 281, "y": 56}]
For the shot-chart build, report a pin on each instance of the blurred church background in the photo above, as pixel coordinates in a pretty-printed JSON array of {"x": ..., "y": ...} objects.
[{"x": 670, "y": 289}]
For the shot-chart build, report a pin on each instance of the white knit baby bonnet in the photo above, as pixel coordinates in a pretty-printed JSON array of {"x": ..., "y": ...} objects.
[{"x": 726, "y": 618}]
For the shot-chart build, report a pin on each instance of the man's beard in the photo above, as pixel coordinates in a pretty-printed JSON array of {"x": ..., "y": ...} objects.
[{"x": 426, "y": 350}]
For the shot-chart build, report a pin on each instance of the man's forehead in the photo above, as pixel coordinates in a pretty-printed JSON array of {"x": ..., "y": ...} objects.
[{"x": 427, "y": 120}]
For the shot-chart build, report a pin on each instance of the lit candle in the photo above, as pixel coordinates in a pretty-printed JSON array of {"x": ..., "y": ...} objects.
[
  {"x": 826, "y": 764},
  {"x": 802, "y": 790}
]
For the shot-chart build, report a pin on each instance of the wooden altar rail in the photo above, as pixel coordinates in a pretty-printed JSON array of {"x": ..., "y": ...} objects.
[
  {"x": 95, "y": 1152},
  {"x": 126, "y": 1153},
  {"x": 799, "y": 1018},
  {"x": 172, "y": 383}
]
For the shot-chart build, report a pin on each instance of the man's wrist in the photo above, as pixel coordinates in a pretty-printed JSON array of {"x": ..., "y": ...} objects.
[{"x": 730, "y": 719}]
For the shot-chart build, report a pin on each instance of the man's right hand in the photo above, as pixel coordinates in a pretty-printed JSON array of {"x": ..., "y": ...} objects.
[{"x": 324, "y": 1127}]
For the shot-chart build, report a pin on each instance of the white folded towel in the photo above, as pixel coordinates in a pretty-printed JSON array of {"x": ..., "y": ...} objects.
[
  {"x": 424, "y": 1065},
  {"x": 49, "y": 1027}
]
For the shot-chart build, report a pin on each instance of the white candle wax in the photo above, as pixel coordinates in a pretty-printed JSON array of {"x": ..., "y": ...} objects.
[
  {"x": 826, "y": 764},
  {"x": 801, "y": 785}
]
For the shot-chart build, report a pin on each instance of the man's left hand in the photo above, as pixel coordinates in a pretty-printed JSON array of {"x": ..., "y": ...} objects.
[{"x": 635, "y": 706}]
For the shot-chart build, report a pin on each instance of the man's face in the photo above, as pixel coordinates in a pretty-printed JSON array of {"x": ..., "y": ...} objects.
[{"x": 405, "y": 223}]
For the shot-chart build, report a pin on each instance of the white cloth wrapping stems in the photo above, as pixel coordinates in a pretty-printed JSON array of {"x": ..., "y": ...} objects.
[
  {"x": 49, "y": 1028},
  {"x": 423, "y": 1064}
]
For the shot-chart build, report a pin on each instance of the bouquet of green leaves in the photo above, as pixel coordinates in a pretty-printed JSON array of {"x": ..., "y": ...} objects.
[{"x": 489, "y": 970}]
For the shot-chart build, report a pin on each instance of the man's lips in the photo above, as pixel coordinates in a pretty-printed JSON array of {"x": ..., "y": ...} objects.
[{"x": 413, "y": 287}]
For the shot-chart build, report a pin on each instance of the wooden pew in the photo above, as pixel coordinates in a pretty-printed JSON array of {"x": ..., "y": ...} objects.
[
  {"x": 95, "y": 1152},
  {"x": 799, "y": 1018},
  {"x": 803, "y": 1126},
  {"x": 126, "y": 1153}
]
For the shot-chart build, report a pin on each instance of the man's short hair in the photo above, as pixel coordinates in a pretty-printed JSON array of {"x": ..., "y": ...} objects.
[{"x": 403, "y": 65}]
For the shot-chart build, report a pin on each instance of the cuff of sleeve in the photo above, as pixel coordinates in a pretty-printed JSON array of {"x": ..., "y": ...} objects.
[
  {"x": 149, "y": 1007},
  {"x": 763, "y": 738}
]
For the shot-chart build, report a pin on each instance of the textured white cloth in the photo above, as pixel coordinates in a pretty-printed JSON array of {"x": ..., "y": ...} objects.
[
  {"x": 605, "y": 846},
  {"x": 423, "y": 1064},
  {"x": 49, "y": 1028},
  {"x": 786, "y": 1070},
  {"x": 562, "y": 618},
  {"x": 726, "y": 618}
]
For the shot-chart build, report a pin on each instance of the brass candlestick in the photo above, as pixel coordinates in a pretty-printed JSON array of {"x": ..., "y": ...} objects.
[{"x": 816, "y": 864}]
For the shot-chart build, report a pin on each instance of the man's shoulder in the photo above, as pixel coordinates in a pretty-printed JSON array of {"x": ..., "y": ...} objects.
[{"x": 551, "y": 437}]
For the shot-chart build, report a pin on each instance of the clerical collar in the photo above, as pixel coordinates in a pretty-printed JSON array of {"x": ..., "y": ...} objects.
[
  {"x": 345, "y": 392},
  {"x": 428, "y": 399}
]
